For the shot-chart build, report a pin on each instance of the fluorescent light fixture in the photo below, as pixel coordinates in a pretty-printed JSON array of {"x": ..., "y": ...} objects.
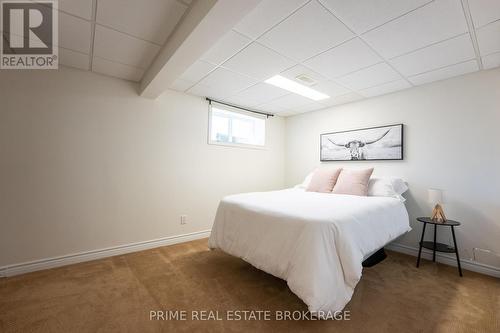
[{"x": 284, "y": 83}]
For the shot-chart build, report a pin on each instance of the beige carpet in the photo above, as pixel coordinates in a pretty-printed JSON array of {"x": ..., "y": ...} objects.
[{"x": 117, "y": 295}]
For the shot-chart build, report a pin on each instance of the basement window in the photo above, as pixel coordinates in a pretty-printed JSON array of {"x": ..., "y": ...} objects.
[{"x": 232, "y": 127}]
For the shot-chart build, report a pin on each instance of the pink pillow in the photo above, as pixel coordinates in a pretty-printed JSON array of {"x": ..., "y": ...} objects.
[
  {"x": 323, "y": 180},
  {"x": 353, "y": 182}
]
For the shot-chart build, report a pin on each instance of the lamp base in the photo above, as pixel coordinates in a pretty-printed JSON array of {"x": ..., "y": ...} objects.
[{"x": 438, "y": 214}]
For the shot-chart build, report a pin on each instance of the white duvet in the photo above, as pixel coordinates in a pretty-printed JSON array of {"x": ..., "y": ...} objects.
[{"x": 314, "y": 241}]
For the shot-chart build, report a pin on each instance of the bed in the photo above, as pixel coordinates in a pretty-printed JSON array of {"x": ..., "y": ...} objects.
[{"x": 315, "y": 241}]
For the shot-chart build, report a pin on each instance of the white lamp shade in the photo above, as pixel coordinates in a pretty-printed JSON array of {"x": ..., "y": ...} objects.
[{"x": 435, "y": 196}]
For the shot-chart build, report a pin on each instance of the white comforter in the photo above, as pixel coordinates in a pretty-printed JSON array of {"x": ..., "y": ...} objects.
[{"x": 314, "y": 241}]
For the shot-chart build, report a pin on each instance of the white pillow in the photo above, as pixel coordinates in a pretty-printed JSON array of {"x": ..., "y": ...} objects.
[
  {"x": 387, "y": 187},
  {"x": 306, "y": 181}
]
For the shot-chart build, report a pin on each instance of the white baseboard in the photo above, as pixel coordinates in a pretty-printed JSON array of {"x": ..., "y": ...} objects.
[
  {"x": 37, "y": 265},
  {"x": 447, "y": 259},
  {"x": 26, "y": 267}
]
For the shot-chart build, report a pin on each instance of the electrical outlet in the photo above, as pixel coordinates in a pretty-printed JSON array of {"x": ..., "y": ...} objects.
[{"x": 184, "y": 219}]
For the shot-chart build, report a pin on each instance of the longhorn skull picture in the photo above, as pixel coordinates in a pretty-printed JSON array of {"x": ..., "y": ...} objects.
[{"x": 378, "y": 143}]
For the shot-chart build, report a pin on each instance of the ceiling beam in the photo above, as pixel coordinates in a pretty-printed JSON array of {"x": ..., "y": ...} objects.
[{"x": 205, "y": 23}]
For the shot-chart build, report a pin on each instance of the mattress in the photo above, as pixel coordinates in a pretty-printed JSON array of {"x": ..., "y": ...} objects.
[{"x": 315, "y": 241}]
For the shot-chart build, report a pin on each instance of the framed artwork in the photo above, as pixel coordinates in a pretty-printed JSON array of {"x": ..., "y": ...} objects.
[{"x": 365, "y": 144}]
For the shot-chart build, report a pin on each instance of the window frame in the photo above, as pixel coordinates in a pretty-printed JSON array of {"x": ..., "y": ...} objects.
[{"x": 231, "y": 144}]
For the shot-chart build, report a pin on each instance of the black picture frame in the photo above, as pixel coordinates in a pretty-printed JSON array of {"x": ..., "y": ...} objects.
[{"x": 362, "y": 144}]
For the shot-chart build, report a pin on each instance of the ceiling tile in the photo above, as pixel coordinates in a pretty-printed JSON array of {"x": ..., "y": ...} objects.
[
  {"x": 151, "y": 20},
  {"x": 114, "y": 69},
  {"x": 206, "y": 91},
  {"x": 347, "y": 98},
  {"x": 343, "y": 59},
  {"x": 491, "y": 61},
  {"x": 240, "y": 101},
  {"x": 369, "y": 77},
  {"x": 259, "y": 94},
  {"x": 268, "y": 107},
  {"x": 385, "y": 88},
  {"x": 228, "y": 81},
  {"x": 74, "y": 59},
  {"x": 290, "y": 102},
  {"x": 342, "y": 99},
  {"x": 258, "y": 62},
  {"x": 297, "y": 70},
  {"x": 484, "y": 11},
  {"x": 309, "y": 107},
  {"x": 112, "y": 45},
  {"x": 331, "y": 88},
  {"x": 81, "y": 8},
  {"x": 265, "y": 15},
  {"x": 285, "y": 113},
  {"x": 181, "y": 85},
  {"x": 230, "y": 44},
  {"x": 197, "y": 71},
  {"x": 363, "y": 15},
  {"x": 74, "y": 33},
  {"x": 322, "y": 84},
  {"x": 445, "y": 73},
  {"x": 309, "y": 31},
  {"x": 449, "y": 52},
  {"x": 419, "y": 28},
  {"x": 488, "y": 38}
]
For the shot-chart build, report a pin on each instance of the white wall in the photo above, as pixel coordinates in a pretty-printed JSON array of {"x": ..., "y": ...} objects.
[
  {"x": 452, "y": 142},
  {"x": 87, "y": 164}
]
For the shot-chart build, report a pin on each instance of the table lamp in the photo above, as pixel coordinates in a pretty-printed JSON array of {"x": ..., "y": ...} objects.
[{"x": 436, "y": 198}]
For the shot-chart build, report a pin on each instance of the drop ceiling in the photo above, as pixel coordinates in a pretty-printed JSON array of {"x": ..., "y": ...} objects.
[
  {"x": 351, "y": 50},
  {"x": 119, "y": 38}
]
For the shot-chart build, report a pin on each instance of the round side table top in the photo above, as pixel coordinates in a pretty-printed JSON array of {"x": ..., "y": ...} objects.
[{"x": 447, "y": 222}]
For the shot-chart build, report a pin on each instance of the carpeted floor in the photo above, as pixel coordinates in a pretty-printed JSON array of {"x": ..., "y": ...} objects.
[{"x": 117, "y": 294}]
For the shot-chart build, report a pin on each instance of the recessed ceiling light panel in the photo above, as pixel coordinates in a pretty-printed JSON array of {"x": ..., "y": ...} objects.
[{"x": 297, "y": 88}]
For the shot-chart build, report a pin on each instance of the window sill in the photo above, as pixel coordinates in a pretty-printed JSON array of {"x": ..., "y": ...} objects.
[{"x": 237, "y": 145}]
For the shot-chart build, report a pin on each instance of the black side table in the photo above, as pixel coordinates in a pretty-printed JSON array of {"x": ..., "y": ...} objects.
[{"x": 439, "y": 246}]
